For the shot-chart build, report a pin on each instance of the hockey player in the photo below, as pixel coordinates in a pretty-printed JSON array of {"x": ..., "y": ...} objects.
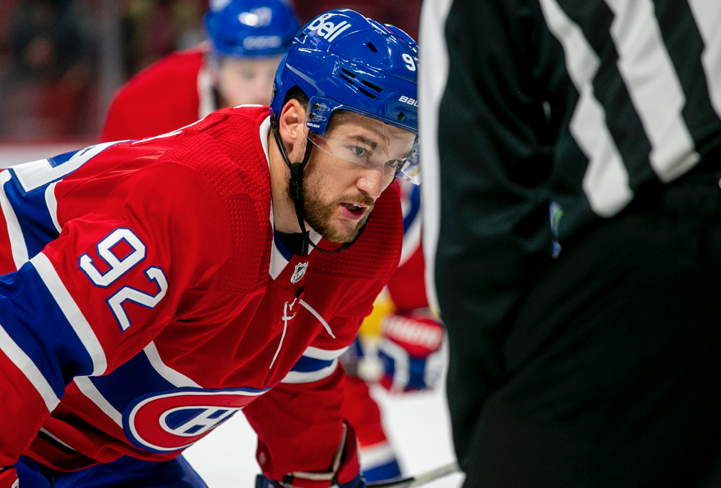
[
  {"x": 246, "y": 41},
  {"x": 154, "y": 288},
  {"x": 188, "y": 85}
]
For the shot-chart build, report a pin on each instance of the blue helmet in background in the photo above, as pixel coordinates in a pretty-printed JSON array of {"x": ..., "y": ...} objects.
[
  {"x": 345, "y": 61},
  {"x": 240, "y": 28}
]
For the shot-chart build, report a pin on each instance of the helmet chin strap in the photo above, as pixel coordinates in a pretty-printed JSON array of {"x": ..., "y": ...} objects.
[{"x": 295, "y": 190}]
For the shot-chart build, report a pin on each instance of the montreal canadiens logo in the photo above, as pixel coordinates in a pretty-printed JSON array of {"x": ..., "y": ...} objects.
[{"x": 172, "y": 421}]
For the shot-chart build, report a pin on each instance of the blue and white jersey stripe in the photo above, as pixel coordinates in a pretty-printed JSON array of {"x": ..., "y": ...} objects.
[
  {"x": 47, "y": 310},
  {"x": 29, "y": 369},
  {"x": 315, "y": 364},
  {"x": 57, "y": 321},
  {"x": 138, "y": 377}
]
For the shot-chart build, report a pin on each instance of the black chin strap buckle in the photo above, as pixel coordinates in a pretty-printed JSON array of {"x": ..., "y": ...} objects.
[{"x": 295, "y": 185}]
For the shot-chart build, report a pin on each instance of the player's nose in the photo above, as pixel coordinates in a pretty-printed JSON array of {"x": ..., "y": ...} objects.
[{"x": 371, "y": 182}]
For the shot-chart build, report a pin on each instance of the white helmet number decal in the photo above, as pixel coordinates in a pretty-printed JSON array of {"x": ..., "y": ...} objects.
[{"x": 411, "y": 62}]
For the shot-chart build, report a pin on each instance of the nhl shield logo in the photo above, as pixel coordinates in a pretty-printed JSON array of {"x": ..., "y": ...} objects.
[{"x": 299, "y": 272}]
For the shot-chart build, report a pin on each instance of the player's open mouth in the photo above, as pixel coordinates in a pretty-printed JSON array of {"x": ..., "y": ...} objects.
[{"x": 353, "y": 211}]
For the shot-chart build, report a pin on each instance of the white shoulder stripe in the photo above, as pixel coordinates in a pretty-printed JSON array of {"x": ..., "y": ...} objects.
[
  {"x": 15, "y": 233},
  {"x": 27, "y": 366},
  {"x": 323, "y": 354},
  {"x": 172, "y": 376},
  {"x": 89, "y": 390},
  {"x": 72, "y": 312},
  {"x": 52, "y": 205},
  {"x": 295, "y": 377}
]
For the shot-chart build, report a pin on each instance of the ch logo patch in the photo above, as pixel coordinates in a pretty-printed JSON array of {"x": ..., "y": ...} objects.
[
  {"x": 171, "y": 421},
  {"x": 299, "y": 272}
]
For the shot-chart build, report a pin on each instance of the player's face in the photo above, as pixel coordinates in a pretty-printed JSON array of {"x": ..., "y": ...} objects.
[
  {"x": 344, "y": 178},
  {"x": 246, "y": 80}
]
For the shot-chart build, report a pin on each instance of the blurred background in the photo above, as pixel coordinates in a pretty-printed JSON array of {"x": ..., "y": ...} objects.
[{"x": 61, "y": 61}]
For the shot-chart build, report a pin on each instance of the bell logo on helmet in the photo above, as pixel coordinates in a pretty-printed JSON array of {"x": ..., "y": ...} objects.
[{"x": 327, "y": 30}]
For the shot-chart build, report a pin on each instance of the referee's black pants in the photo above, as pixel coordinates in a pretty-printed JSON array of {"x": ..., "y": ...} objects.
[{"x": 615, "y": 357}]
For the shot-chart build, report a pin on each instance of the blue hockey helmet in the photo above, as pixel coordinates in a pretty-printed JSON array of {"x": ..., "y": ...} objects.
[
  {"x": 345, "y": 61},
  {"x": 240, "y": 28}
]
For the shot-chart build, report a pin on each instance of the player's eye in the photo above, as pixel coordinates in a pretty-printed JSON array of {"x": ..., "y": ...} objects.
[{"x": 359, "y": 151}]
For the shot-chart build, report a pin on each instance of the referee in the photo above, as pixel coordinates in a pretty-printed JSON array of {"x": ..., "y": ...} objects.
[{"x": 572, "y": 164}]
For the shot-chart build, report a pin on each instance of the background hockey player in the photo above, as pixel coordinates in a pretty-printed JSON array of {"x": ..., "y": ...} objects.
[
  {"x": 236, "y": 66},
  {"x": 246, "y": 39},
  {"x": 154, "y": 288},
  {"x": 574, "y": 152}
]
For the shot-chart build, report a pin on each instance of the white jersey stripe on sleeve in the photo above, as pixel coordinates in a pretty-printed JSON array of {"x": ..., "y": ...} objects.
[
  {"x": 17, "y": 241},
  {"x": 29, "y": 369},
  {"x": 324, "y": 354},
  {"x": 88, "y": 389},
  {"x": 72, "y": 312},
  {"x": 649, "y": 75},
  {"x": 170, "y": 375},
  {"x": 52, "y": 204},
  {"x": 295, "y": 377}
]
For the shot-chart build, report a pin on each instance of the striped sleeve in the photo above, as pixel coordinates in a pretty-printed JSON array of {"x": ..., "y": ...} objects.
[
  {"x": 315, "y": 364},
  {"x": 79, "y": 295}
]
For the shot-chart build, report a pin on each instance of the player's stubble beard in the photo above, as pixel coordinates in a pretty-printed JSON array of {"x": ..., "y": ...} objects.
[{"x": 318, "y": 213}]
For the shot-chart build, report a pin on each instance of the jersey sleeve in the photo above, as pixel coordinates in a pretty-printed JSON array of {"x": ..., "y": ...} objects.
[{"x": 102, "y": 289}]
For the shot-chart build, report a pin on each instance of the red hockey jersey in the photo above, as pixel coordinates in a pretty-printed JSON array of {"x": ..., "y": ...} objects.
[
  {"x": 146, "y": 299},
  {"x": 169, "y": 94}
]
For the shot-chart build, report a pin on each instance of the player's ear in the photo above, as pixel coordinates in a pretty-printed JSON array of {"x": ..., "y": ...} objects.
[{"x": 292, "y": 123}]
